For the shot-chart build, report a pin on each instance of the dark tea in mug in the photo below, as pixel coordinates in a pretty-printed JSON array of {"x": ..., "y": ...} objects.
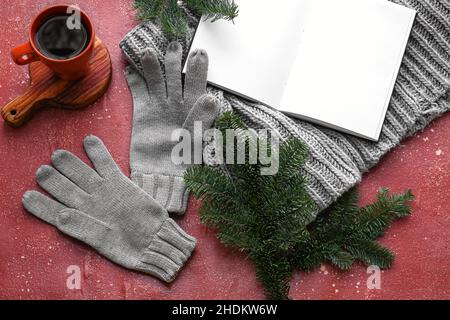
[
  {"x": 63, "y": 38},
  {"x": 59, "y": 40}
]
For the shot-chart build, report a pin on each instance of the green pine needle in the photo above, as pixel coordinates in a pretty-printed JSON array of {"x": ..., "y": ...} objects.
[
  {"x": 172, "y": 18},
  {"x": 267, "y": 216},
  {"x": 149, "y": 9},
  {"x": 341, "y": 259},
  {"x": 214, "y": 9}
]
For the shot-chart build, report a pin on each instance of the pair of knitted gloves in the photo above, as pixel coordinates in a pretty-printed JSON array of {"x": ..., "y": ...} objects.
[{"x": 128, "y": 221}]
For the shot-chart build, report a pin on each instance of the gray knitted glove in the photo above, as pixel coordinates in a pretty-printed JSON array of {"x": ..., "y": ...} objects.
[
  {"x": 159, "y": 110},
  {"x": 107, "y": 211}
]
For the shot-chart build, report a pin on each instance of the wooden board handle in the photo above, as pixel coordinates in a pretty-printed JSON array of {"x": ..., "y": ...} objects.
[{"x": 21, "y": 108}]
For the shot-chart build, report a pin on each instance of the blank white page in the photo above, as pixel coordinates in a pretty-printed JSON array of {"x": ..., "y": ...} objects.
[
  {"x": 347, "y": 64},
  {"x": 253, "y": 56}
]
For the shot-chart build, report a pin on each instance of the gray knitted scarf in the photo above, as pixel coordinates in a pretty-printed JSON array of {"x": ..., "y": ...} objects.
[{"x": 337, "y": 161}]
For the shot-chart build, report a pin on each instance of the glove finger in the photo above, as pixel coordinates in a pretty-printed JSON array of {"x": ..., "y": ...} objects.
[
  {"x": 64, "y": 190},
  {"x": 138, "y": 89},
  {"x": 153, "y": 75},
  {"x": 100, "y": 157},
  {"x": 173, "y": 71},
  {"x": 76, "y": 170},
  {"x": 196, "y": 76},
  {"x": 205, "y": 111},
  {"x": 42, "y": 206},
  {"x": 83, "y": 227}
]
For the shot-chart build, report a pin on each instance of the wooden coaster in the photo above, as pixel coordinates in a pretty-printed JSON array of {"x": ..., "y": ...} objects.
[{"x": 47, "y": 90}]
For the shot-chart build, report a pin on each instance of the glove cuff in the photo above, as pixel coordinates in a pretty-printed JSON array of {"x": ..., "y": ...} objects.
[
  {"x": 167, "y": 253},
  {"x": 169, "y": 191}
]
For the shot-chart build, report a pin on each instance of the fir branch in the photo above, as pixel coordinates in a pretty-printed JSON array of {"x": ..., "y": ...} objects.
[
  {"x": 166, "y": 12},
  {"x": 149, "y": 9},
  {"x": 173, "y": 20},
  {"x": 209, "y": 183},
  {"x": 345, "y": 229},
  {"x": 214, "y": 9},
  {"x": 370, "y": 253},
  {"x": 267, "y": 216},
  {"x": 340, "y": 258},
  {"x": 274, "y": 275},
  {"x": 229, "y": 120},
  {"x": 377, "y": 217},
  {"x": 293, "y": 155}
]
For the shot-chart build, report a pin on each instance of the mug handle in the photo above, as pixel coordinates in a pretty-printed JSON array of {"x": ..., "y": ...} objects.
[{"x": 24, "y": 54}]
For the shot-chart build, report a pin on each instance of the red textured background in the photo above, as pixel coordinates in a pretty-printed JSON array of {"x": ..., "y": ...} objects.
[{"x": 34, "y": 256}]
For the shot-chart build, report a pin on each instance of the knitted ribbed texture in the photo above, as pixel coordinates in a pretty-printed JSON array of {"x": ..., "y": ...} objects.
[{"x": 338, "y": 160}]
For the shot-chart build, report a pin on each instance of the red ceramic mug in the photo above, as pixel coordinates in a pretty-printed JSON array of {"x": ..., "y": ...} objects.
[{"x": 68, "y": 69}]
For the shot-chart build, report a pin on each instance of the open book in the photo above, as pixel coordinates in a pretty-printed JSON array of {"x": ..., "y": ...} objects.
[{"x": 332, "y": 62}]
